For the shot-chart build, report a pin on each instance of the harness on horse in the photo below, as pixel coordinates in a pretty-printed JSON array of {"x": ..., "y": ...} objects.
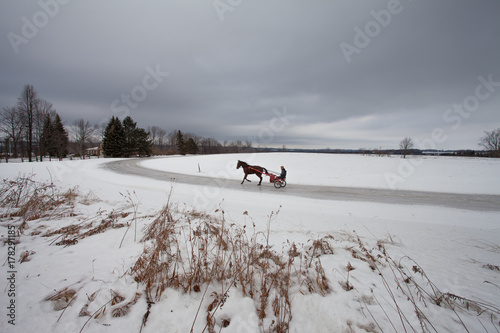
[{"x": 278, "y": 180}]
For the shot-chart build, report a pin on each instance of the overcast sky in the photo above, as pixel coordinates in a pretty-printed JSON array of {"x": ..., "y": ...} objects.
[{"x": 337, "y": 73}]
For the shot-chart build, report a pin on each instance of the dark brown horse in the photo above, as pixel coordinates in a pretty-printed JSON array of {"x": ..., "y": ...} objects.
[{"x": 251, "y": 169}]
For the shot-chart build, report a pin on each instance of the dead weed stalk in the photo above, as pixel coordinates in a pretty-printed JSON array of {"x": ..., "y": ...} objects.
[
  {"x": 409, "y": 285},
  {"x": 190, "y": 252},
  {"x": 30, "y": 200}
]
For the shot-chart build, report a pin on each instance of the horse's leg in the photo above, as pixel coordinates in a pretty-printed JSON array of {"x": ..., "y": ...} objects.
[
  {"x": 260, "y": 176},
  {"x": 245, "y": 178}
]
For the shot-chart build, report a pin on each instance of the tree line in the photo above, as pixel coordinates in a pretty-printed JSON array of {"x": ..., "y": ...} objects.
[
  {"x": 490, "y": 141},
  {"x": 125, "y": 139},
  {"x": 33, "y": 129}
]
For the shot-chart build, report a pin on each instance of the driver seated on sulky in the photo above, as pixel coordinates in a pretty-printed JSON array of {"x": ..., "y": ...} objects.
[{"x": 283, "y": 173}]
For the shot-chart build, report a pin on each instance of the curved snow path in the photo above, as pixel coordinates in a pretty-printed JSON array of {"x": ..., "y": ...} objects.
[{"x": 480, "y": 202}]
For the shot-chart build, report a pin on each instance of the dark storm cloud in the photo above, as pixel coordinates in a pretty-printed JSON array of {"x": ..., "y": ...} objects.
[{"x": 231, "y": 63}]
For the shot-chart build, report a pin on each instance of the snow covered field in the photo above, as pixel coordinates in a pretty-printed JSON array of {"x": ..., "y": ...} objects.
[
  {"x": 425, "y": 173},
  {"x": 457, "y": 250}
]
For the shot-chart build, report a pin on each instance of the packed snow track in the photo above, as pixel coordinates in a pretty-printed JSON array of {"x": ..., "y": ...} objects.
[{"x": 481, "y": 202}]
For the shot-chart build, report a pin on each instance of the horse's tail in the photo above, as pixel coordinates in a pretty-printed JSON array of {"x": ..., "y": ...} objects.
[{"x": 265, "y": 170}]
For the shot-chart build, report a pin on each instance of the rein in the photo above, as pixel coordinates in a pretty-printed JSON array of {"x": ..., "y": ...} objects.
[
  {"x": 255, "y": 169},
  {"x": 268, "y": 171}
]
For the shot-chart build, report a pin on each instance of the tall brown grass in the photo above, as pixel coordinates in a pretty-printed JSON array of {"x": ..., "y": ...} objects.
[
  {"x": 202, "y": 253},
  {"x": 190, "y": 252}
]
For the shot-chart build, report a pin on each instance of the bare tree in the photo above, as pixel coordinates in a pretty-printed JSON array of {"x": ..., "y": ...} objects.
[
  {"x": 100, "y": 129},
  {"x": 172, "y": 140},
  {"x": 161, "y": 133},
  {"x": 26, "y": 104},
  {"x": 153, "y": 134},
  {"x": 491, "y": 141},
  {"x": 210, "y": 146},
  {"x": 82, "y": 132},
  {"x": 405, "y": 145},
  {"x": 11, "y": 124}
]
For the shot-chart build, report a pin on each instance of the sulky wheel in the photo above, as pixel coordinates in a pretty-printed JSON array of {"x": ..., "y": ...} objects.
[{"x": 279, "y": 183}]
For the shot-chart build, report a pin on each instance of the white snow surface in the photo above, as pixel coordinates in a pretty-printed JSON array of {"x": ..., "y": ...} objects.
[
  {"x": 457, "y": 249},
  {"x": 422, "y": 173}
]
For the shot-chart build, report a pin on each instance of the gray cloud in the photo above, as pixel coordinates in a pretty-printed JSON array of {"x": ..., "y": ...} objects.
[{"x": 226, "y": 76}]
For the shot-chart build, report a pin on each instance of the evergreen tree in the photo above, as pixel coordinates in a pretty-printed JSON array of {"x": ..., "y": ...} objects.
[
  {"x": 60, "y": 138},
  {"x": 144, "y": 144},
  {"x": 46, "y": 138},
  {"x": 54, "y": 138},
  {"x": 113, "y": 142},
  {"x": 181, "y": 144},
  {"x": 129, "y": 128},
  {"x": 125, "y": 139},
  {"x": 191, "y": 147}
]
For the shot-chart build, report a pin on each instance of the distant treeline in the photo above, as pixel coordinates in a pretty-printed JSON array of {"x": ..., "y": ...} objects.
[
  {"x": 33, "y": 129},
  {"x": 387, "y": 152}
]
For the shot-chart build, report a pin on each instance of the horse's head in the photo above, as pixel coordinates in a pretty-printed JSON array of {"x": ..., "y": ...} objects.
[{"x": 241, "y": 164}]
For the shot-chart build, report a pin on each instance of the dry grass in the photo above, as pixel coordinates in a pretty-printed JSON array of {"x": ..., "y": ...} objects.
[
  {"x": 191, "y": 252},
  {"x": 492, "y": 267},
  {"x": 30, "y": 200},
  {"x": 70, "y": 235},
  {"x": 61, "y": 299},
  {"x": 407, "y": 286},
  {"x": 197, "y": 252},
  {"x": 25, "y": 256}
]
